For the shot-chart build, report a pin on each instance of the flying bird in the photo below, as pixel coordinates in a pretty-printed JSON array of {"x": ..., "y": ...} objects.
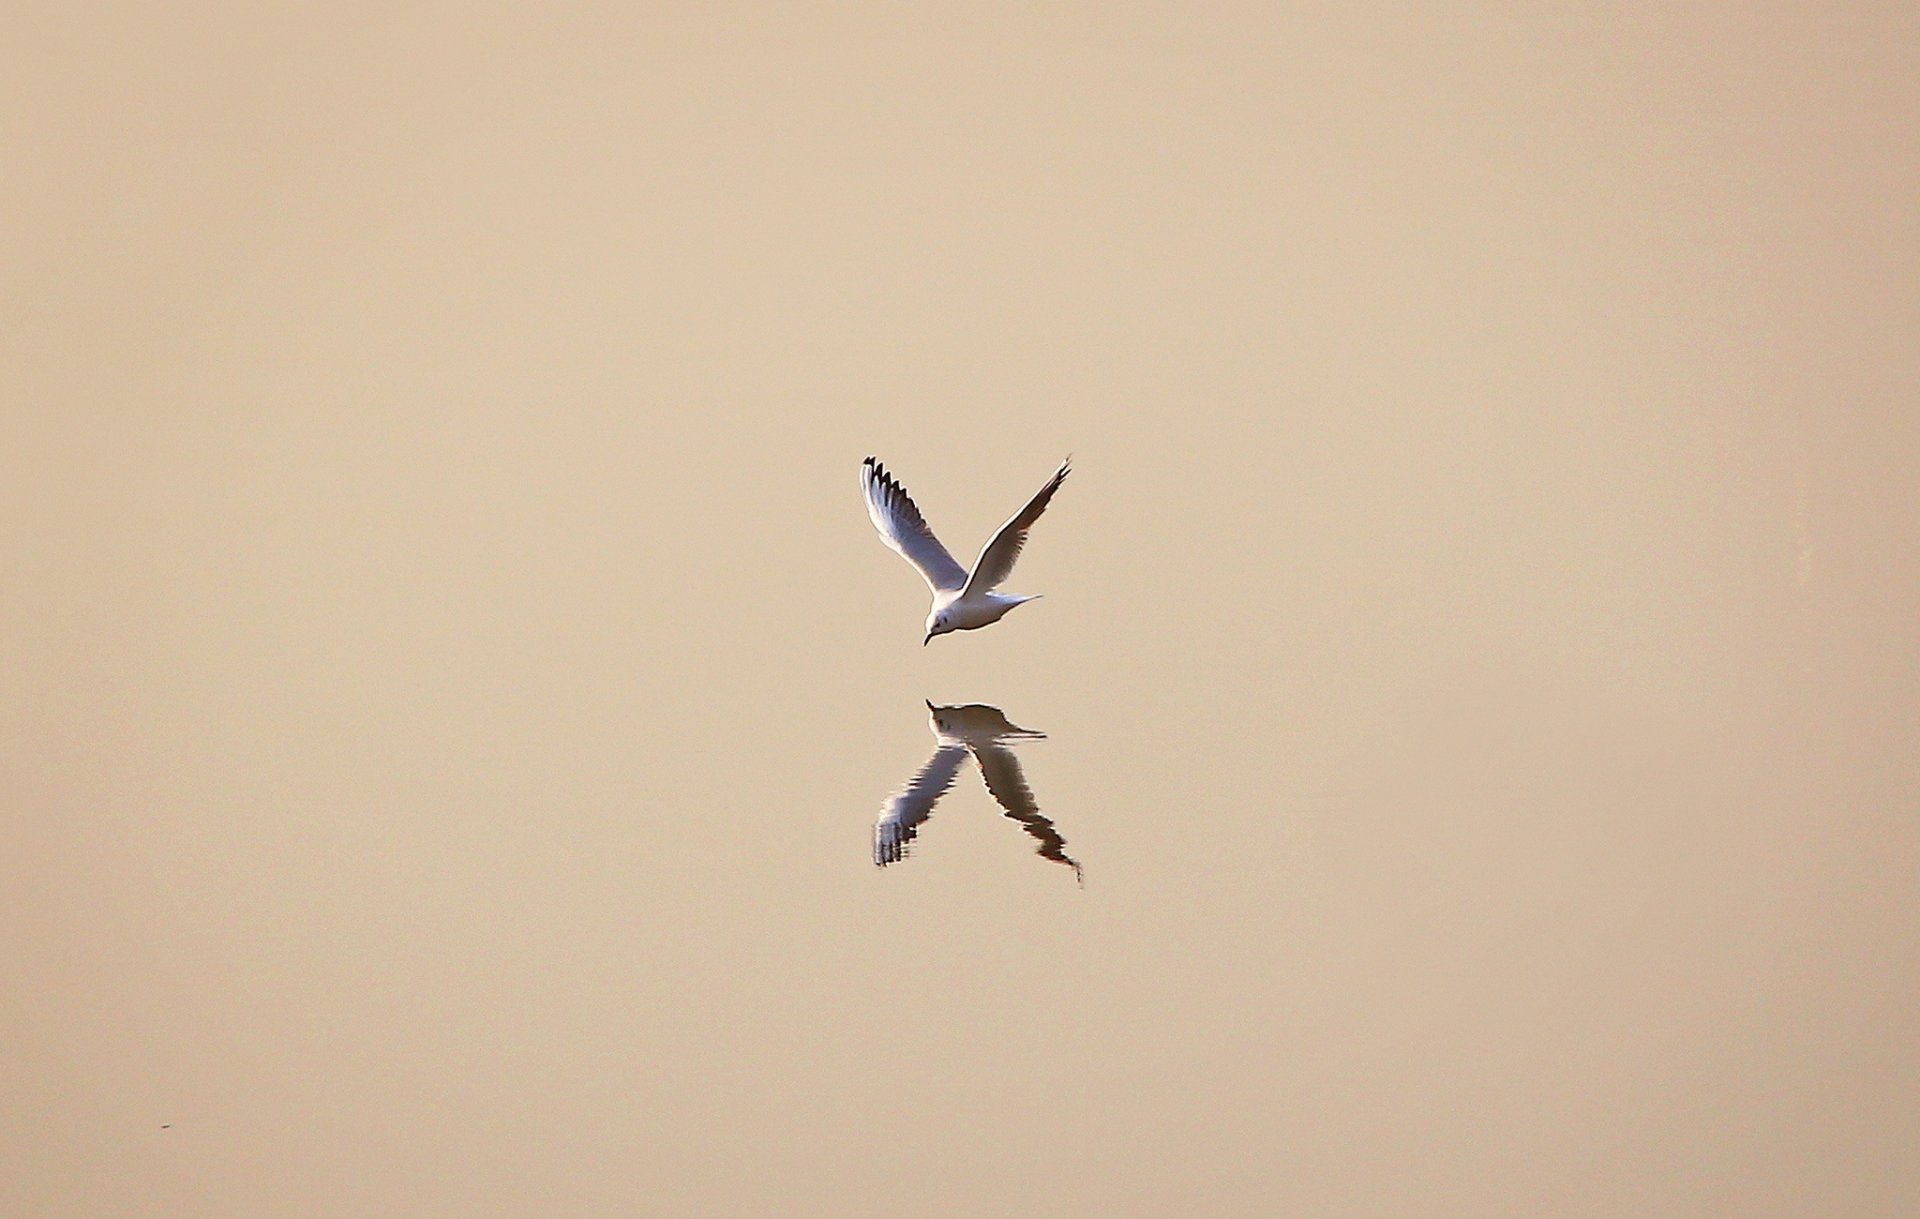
[
  {"x": 979, "y": 730},
  {"x": 962, "y": 600}
]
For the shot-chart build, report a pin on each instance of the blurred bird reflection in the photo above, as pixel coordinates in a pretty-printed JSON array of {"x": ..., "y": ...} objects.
[{"x": 984, "y": 732}]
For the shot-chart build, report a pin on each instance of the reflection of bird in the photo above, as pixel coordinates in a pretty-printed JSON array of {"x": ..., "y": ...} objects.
[
  {"x": 980, "y": 730},
  {"x": 962, "y": 601}
]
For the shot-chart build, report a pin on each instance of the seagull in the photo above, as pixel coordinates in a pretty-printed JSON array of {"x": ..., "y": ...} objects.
[
  {"x": 962, "y": 600},
  {"x": 979, "y": 730}
]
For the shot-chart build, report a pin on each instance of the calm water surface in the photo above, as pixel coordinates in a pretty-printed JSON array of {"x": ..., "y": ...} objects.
[{"x": 451, "y": 682}]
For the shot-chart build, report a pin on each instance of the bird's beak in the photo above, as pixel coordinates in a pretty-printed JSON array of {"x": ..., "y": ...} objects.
[
  {"x": 928, "y": 702},
  {"x": 927, "y": 640}
]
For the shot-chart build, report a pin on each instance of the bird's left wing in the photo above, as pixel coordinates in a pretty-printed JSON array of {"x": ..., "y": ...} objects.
[
  {"x": 903, "y": 528},
  {"x": 996, "y": 560}
]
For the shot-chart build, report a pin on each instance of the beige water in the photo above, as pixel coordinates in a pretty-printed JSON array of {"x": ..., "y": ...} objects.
[{"x": 450, "y": 680}]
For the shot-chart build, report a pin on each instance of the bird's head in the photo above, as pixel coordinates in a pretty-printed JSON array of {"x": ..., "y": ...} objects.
[{"x": 937, "y": 624}]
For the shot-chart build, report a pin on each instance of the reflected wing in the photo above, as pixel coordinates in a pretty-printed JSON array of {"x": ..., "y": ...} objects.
[
  {"x": 1008, "y": 784},
  {"x": 996, "y": 561},
  {"x": 901, "y": 819},
  {"x": 903, "y": 528}
]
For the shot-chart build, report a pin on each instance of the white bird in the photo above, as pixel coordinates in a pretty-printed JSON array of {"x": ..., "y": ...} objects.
[
  {"x": 962, "y": 601},
  {"x": 980, "y": 730}
]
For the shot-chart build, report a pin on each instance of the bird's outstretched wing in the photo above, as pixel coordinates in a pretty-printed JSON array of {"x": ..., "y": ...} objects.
[
  {"x": 1008, "y": 784},
  {"x": 901, "y": 819},
  {"x": 903, "y": 528},
  {"x": 996, "y": 560}
]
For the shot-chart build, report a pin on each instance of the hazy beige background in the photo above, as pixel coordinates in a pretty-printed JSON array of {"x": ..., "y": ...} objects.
[{"x": 1479, "y": 649}]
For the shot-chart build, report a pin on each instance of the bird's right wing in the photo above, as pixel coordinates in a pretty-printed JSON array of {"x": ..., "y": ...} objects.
[
  {"x": 901, "y": 819},
  {"x": 1008, "y": 784},
  {"x": 902, "y": 527},
  {"x": 995, "y": 563}
]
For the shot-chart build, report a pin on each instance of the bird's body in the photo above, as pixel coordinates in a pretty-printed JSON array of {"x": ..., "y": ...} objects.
[
  {"x": 962, "y": 600},
  {"x": 961, "y": 612}
]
